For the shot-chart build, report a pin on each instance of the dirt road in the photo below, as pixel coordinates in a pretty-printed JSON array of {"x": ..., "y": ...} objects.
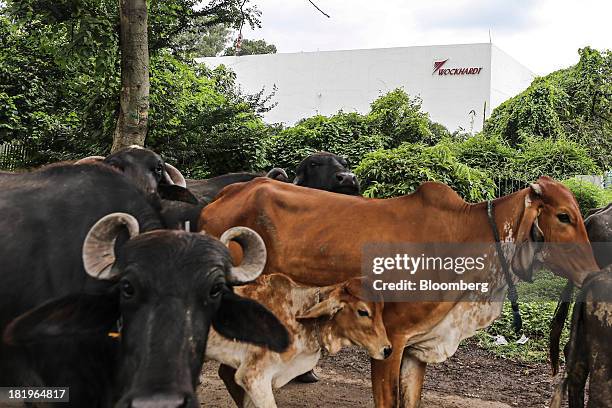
[{"x": 472, "y": 378}]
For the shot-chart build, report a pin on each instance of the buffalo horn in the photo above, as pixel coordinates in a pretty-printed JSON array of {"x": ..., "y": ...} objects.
[
  {"x": 254, "y": 250},
  {"x": 99, "y": 245}
]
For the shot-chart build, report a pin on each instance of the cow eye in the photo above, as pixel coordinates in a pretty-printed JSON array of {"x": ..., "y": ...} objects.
[
  {"x": 216, "y": 290},
  {"x": 363, "y": 313},
  {"x": 314, "y": 164},
  {"x": 127, "y": 290},
  {"x": 564, "y": 218}
]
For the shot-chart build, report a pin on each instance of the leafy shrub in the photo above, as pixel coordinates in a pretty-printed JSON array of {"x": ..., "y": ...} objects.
[
  {"x": 587, "y": 194},
  {"x": 393, "y": 172},
  {"x": 607, "y": 196},
  {"x": 490, "y": 154},
  {"x": 558, "y": 159},
  {"x": 399, "y": 118}
]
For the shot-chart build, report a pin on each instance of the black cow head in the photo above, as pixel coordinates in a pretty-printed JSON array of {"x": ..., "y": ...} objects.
[
  {"x": 168, "y": 288},
  {"x": 148, "y": 171},
  {"x": 326, "y": 171}
]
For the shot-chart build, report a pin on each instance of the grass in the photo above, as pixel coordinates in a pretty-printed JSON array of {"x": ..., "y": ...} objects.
[{"x": 538, "y": 301}]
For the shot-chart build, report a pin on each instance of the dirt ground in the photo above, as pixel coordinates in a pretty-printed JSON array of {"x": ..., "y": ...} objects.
[{"x": 472, "y": 378}]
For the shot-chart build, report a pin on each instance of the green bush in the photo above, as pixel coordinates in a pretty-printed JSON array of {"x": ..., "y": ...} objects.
[
  {"x": 558, "y": 159},
  {"x": 587, "y": 194},
  {"x": 607, "y": 196},
  {"x": 394, "y": 172},
  {"x": 490, "y": 154},
  {"x": 399, "y": 118}
]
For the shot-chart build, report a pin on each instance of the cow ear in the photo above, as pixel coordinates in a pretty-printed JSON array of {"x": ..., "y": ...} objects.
[
  {"x": 328, "y": 307},
  {"x": 76, "y": 315},
  {"x": 243, "y": 319},
  {"x": 175, "y": 192},
  {"x": 529, "y": 238}
]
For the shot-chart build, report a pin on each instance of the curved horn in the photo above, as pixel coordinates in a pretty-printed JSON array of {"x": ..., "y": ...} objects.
[
  {"x": 90, "y": 159},
  {"x": 278, "y": 174},
  {"x": 99, "y": 245},
  {"x": 254, "y": 250},
  {"x": 174, "y": 176}
]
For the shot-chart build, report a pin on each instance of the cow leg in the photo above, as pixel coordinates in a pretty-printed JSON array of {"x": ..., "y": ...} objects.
[
  {"x": 258, "y": 388},
  {"x": 412, "y": 374},
  {"x": 577, "y": 378},
  {"x": 227, "y": 374},
  {"x": 385, "y": 375}
]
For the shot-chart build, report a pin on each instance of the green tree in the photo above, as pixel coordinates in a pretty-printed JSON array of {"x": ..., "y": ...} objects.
[
  {"x": 251, "y": 47},
  {"x": 60, "y": 73},
  {"x": 202, "y": 40}
]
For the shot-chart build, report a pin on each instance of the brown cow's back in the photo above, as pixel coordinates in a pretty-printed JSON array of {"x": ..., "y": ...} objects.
[{"x": 296, "y": 222}]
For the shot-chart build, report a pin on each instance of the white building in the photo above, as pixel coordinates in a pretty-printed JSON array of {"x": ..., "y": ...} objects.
[{"x": 457, "y": 83}]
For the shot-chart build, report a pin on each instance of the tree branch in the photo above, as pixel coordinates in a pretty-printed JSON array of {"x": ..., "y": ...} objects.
[{"x": 317, "y": 7}]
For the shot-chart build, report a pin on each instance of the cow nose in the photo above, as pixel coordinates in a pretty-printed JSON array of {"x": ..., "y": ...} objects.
[
  {"x": 160, "y": 401},
  {"x": 387, "y": 351},
  {"x": 346, "y": 179}
]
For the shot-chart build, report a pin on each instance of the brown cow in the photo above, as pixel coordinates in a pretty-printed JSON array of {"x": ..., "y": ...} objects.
[
  {"x": 317, "y": 318},
  {"x": 317, "y": 238}
]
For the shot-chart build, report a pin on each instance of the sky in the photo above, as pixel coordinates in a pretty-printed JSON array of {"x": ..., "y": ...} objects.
[{"x": 544, "y": 35}]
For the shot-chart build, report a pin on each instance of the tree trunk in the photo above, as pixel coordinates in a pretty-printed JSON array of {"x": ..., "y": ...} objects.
[{"x": 133, "y": 116}]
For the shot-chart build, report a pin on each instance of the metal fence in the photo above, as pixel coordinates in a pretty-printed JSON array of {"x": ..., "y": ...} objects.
[
  {"x": 12, "y": 156},
  {"x": 507, "y": 186}
]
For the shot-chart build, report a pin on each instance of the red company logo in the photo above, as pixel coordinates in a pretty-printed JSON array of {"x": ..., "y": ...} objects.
[{"x": 454, "y": 71}]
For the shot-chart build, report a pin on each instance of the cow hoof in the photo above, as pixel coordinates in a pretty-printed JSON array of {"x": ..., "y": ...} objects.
[{"x": 308, "y": 377}]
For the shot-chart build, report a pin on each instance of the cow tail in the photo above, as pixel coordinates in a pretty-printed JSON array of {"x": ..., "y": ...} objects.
[{"x": 556, "y": 326}]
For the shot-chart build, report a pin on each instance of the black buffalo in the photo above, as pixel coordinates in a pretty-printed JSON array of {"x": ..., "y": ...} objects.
[
  {"x": 326, "y": 171},
  {"x": 589, "y": 351},
  {"x": 164, "y": 288},
  {"x": 599, "y": 229},
  {"x": 148, "y": 171}
]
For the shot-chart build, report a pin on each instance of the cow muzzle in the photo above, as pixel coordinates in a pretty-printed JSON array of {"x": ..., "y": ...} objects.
[
  {"x": 346, "y": 179},
  {"x": 382, "y": 353}
]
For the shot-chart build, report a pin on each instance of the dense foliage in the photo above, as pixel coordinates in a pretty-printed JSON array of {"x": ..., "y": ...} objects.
[
  {"x": 573, "y": 104},
  {"x": 60, "y": 81},
  {"x": 588, "y": 195},
  {"x": 388, "y": 173}
]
